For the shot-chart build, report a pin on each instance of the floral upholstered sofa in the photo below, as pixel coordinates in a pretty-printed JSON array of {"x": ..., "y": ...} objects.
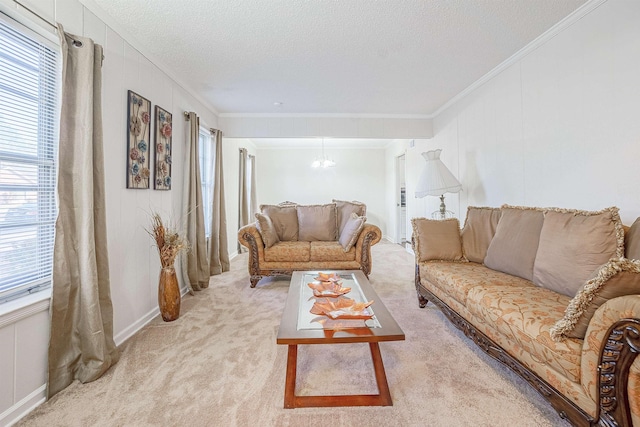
[
  {"x": 552, "y": 293},
  {"x": 290, "y": 237}
]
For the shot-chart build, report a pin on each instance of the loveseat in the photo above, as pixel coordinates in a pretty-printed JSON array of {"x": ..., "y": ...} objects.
[
  {"x": 290, "y": 237},
  {"x": 552, "y": 293}
]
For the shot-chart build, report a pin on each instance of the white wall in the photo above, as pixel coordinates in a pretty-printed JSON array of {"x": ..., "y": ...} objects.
[
  {"x": 134, "y": 265},
  {"x": 359, "y": 174},
  {"x": 559, "y": 127}
]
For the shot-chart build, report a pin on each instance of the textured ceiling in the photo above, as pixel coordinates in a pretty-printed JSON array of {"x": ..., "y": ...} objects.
[{"x": 333, "y": 57}]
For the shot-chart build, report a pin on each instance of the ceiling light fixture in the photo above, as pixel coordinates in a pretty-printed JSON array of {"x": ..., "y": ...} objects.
[{"x": 323, "y": 162}]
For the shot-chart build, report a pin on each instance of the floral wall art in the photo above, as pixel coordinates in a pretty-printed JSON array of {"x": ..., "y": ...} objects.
[
  {"x": 163, "y": 131},
  {"x": 139, "y": 123}
]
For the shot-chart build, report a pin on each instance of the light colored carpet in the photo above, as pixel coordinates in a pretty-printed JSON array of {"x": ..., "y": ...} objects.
[{"x": 219, "y": 365}]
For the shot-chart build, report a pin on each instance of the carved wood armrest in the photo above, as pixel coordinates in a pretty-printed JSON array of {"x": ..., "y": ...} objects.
[
  {"x": 613, "y": 340},
  {"x": 369, "y": 236},
  {"x": 250, "y": 237},
  {"x": 371, "y": 233}
]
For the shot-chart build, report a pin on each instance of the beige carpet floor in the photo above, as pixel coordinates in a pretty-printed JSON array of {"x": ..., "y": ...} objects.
[{"x": 219, "y": 365}]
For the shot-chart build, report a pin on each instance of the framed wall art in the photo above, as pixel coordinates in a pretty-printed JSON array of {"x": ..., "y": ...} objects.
[
  {"x": 162, "y": 143},
  {"x": 138, "y": 138}
]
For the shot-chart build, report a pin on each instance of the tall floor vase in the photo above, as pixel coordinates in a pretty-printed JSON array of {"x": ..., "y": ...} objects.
[{"x": 169, "y": 294}]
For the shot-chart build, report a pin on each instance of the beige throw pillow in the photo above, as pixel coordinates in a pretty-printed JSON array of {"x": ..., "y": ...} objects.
[
  {"x": 616, "y": 278},
  {"x": 513, "y": 248},
  {"x": 351, "y": 231},
  {"x": 478, "y": 231},
  {"x": 267, "y": 230},
  {"x": 317, "y": 222},
  {"x": 285, "y": 220},
  {"x": 632, "y": 241},
  {"x": 574, "y": 244},
  {"x": 345, "y": 209},
  {"x": 437, "y": 239}
]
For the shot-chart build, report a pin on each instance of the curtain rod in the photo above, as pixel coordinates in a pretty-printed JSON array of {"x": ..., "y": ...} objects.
[
  {"x": 186, "y": 117},
  {"x": 76, "y": 43}
]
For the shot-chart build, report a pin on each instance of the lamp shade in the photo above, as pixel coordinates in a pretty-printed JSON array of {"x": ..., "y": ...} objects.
[{"x": 435, "y": 178}]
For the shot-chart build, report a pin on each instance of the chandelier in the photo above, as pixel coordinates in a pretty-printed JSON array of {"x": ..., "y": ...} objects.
[{"x": 323, "y": 162}]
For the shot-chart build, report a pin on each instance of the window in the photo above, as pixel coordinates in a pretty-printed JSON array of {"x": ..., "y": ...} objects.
[
  {"x": 28, "y": 140},
  {"x": 207, "y": 153}
]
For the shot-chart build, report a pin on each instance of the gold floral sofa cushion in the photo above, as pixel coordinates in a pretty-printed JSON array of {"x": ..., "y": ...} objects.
[
  {"x": 331, "y": 251},
  {"x": 457, "y": 279},
  {"x": 513, "y": 306},
  {"x": 288, "y": 251},
  {"x": 526, "y": 314}
]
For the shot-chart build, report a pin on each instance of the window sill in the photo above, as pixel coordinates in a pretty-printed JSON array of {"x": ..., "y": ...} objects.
[{"x": 13, "y": 311}]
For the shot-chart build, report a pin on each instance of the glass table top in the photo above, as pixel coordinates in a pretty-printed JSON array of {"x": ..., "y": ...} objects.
[{"x": 310, "y": 321}]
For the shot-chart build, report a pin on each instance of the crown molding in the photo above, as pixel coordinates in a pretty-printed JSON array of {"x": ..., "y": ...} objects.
[
  {"x": 562, "y": 25},
  {"x": 325, "y": 116},
  {"x": 114, "y": 25}
]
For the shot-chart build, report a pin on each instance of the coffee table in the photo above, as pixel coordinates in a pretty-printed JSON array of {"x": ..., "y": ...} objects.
[{"x": 299, "y": 326}]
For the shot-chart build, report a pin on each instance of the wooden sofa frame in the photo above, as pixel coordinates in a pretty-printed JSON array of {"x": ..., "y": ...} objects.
[{"x": 616, "y": 358}]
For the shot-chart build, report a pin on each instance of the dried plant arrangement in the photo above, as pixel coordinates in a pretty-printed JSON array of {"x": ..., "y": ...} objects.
[{"x": 168, "y": 241}]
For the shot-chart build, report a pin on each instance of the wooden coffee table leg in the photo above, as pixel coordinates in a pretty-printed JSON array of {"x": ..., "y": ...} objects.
[
  {"x": 381, "y": 377},
  {"x": 383, "y": 398},
  {"x": 290, "y": 382}
]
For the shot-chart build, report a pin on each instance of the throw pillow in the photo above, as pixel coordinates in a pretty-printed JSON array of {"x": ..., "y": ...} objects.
[
  {"x": 317, "y": 222},
  {"x": 478, "y": 231},
  {"x": 632, "y": 241},
  {"x": 573, "y": 244},
  {"x": 513, "y": 248},
  {"x": 351, "y": 231},
  {"x": 267, "y": 230},
  {"x": 345, "y": 209},
  {"x": 285, "y": 220},
  {"x": 616, "y": 278},
  {"x": 437, "y": 239}
]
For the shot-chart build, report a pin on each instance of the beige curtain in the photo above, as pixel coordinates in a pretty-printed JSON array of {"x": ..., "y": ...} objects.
[
  {"x": 243, "y": 200},
  {"x": 253, "y": 205},
  {"x": 194, "y": 262},
  {"x": 218, "y": 251},
  {"x": 81, "y": 345}
]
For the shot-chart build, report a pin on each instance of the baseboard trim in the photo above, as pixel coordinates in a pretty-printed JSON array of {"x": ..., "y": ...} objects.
[
  {"x": 233, "y": 255},
  {"x": 131, "y": 330},
  {"x": 22, "y": 408}
]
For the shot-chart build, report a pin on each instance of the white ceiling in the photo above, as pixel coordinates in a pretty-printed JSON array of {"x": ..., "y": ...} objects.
[{"x": 333, "y": 57}]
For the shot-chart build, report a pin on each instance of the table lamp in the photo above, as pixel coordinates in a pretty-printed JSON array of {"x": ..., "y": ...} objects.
[{"x": 436, "y": 180}]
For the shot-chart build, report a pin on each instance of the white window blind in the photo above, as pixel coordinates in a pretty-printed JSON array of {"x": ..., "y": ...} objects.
[
  {"x": 28, "y": 154},
  {"x": 205, "y": 152}
]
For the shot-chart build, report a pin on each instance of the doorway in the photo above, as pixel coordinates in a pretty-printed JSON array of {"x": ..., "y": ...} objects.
[{"x": 401, "y": 201}]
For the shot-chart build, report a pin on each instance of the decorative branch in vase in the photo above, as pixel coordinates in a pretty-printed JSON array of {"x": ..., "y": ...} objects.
[{"x": 169, "y": 244}]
